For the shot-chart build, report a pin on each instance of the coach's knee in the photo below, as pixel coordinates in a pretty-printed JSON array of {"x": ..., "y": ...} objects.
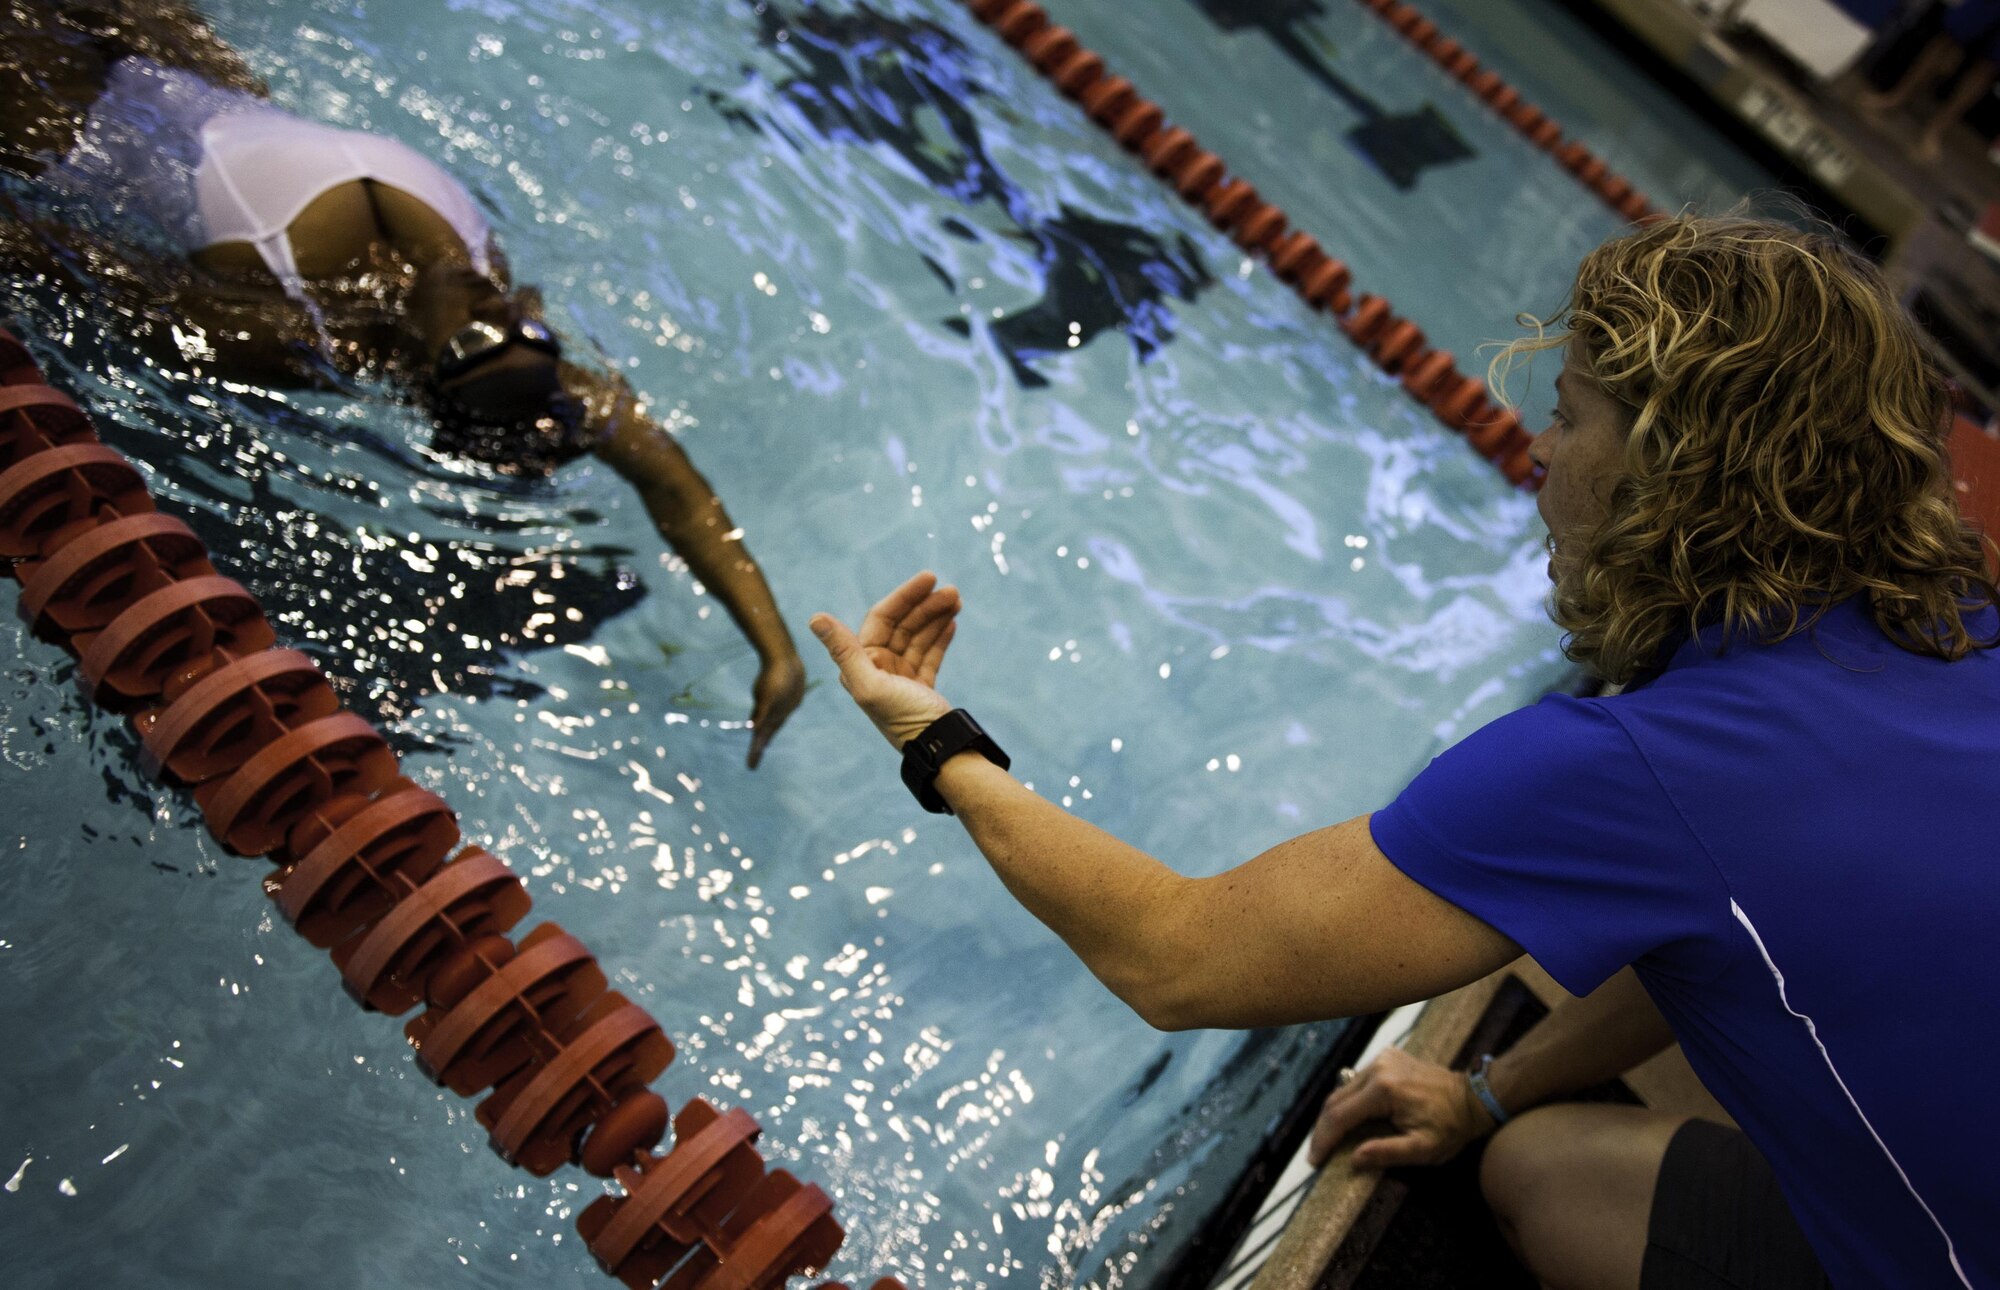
[{"x": 1523, "y": 1159}]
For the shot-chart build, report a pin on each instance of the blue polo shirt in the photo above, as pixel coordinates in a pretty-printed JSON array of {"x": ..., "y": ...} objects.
[{"x": 1795, "y": 846}]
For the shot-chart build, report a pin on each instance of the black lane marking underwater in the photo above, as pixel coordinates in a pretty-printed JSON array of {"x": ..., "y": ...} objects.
[
  {"x": 863, "y": 77},
  {"x": 1401, "y": 145}
]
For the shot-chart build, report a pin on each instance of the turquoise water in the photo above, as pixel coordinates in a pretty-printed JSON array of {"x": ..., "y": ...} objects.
[{"x": 1223, "y": 584}]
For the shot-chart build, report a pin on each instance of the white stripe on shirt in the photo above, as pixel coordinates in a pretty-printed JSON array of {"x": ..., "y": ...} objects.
[{"x": 1950, "y": 1250}]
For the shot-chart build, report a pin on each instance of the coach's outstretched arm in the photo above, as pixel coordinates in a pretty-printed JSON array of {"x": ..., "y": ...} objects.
[{"x": 1320, "y": 926}]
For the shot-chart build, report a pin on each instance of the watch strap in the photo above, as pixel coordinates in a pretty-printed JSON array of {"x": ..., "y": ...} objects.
[
  {"x": 951, "y": 734},
  {"x": 1483, "y": 1090}
]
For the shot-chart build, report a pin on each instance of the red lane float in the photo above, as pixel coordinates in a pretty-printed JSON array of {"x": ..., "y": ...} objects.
[
  {"x": 601, "y": 1062},
  {"x": 279, "y": 769},
  {"x": 388, "y": 966},
  {"x": 211, "y": 724},
  {"x": 1050, "y": 47},
  {"x": 1137, "y": 123},
  {"x": 1020, "y": 21},
  {"x": 1295, "y": 257},
  {"x": 1517, "y": 112},
  {"x": 1078, "y": 73},
  {"x": 472, "y": 1040},
  {"x": 1422, "y": 376},
  {"x": 82, "y": 587},
  {"x": 1326, "y": 286},
  {"x": 709, "y": 1193},
  {"x": 17, "y": 365},
  {"x": 1260, "y": 227},
  {"x": 33, "y": 415},
  {"x": 1107, "y": 100},
  {"x": 51, "y": 496},
  {"x": 1395, "y": 343},
  {"x": 1233, "y": 205},
  {"x": 255, "y": 806},
  {"x": 1371, "y": 314},
  {"x": 1198, "y": 176},
  {"x": 357, "y": 855},
  {"x": 1228, "y": 201},
  {"x": 1165, "y": 151},
  {"x": 181, "y": 627}
]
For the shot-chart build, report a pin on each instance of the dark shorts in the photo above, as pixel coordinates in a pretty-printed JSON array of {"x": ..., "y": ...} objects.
[{"x": 1719, "y": 1221}]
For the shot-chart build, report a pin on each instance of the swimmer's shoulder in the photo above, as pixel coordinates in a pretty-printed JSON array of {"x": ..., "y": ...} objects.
[{"x": 612, "y": 409}]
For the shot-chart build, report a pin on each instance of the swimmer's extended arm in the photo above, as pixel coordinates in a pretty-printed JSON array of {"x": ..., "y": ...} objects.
[
  {"x": 1321, "y": 926},
  {"x": 690, "y": 517}
]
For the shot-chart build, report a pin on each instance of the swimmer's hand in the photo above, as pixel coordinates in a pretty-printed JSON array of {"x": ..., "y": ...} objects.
[
  {"x": 1434, "y": 1112},
  {"x": 891, "y": 667},
  {"x": 781, "y": 683}
]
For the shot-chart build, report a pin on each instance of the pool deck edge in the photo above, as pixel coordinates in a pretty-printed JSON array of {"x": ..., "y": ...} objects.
[{"x": 1319, "y": 1229}]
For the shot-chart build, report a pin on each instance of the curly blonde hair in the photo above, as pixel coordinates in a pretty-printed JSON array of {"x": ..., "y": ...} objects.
[{"x": 1787, "y": 447}]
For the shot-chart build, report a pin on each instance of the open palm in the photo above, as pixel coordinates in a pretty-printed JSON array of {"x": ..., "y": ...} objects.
[{"x": 891, "y": 665}]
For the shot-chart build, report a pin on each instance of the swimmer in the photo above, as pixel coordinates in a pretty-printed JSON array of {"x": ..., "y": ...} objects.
[{"x": 273, "y": 250}]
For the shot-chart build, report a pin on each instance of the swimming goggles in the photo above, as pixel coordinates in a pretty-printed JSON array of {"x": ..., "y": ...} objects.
[{"x": 479, "y": 342}]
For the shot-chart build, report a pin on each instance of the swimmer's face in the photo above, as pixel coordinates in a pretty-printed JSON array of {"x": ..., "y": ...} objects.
[
  {"x": 502, "y": 385},
  {"x": 502, "y": 380},
  {"x": 1583, "y": 453},
  {"x": 448, "y": 296},
  {"x": 501, "y": 371},
  {"x": 511, "y": 413}
]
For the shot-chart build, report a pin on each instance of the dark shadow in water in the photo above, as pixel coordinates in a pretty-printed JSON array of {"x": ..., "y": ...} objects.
[
  {"x": 480, "y": 599},
  {"x": 865, "y": 78},
  {"x": 1147, "y": 1078},
  {"x": 1402, "y": 145},
  {"x": 1097, "y": 275},
  {"x": 479, "y": 603},
  {"x": 1219, "y": 1130}
]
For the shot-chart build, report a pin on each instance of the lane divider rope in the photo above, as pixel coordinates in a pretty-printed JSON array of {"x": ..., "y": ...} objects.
[
  {"x": 366, "y": 870},
  {"x": 1488, "y": 86},
  {"x": 1233, "y": 205}
]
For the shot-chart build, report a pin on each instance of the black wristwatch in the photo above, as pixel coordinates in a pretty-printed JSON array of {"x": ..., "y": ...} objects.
[{"x": 951, "y": 734}]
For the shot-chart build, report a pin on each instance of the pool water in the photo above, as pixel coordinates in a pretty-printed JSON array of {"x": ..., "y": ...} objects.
[{"x": 906, "y": 308}]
